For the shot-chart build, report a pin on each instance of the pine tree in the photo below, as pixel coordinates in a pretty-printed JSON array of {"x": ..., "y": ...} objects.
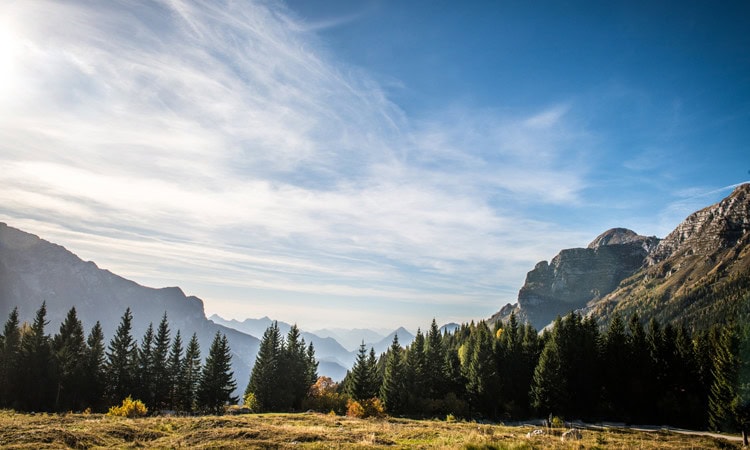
[
  {"x": 121, "y": 361},
  {"x": 263, "y": 378},
  {"x": 549, "y": 388},
  {"x": 360, "y": 383},
  {"x": 191, "y": 370},
  {"x": 435, "y": 382},
  {"x": 393, "y": 388},
  {"x": 482, "y": 379},
  {"x": 10, "y": 354},
  {"x": 94, "y": 368},
  {"x": 415, "y": 370},
  {"x": 69, "y": 349},
  {"x": 145, "y": 373},
  {"x": 294, "y": 374},
  {"x": 36, "y": 387},
  {"x": 741, "y": 401},
  {"x": 615, "y": 354},
  {"x": 162, "y": 381},
  {"x": 640, "y": 369},
  {"x": 217, "y": 379},
  {"x": 723, "y": 389},
  {"x": 175, "y": 364},
  {"x": 514, "y": 368},
  {"x": 312, "y": 365}
]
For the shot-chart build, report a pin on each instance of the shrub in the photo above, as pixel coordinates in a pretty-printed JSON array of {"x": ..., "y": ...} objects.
[
  {"x": 129, "y": 408},
  {"x": 557, "y": 422},
  {"x": 366, "y": 408},
  {"x": 324, "y": 397},
  {"x": 251, "y": 403}
]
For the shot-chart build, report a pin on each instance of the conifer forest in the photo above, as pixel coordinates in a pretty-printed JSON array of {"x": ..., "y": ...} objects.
[{"x": 575, "y": 369}]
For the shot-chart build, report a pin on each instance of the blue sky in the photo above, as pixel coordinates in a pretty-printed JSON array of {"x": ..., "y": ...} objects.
[{"x": 363, "y": 164}]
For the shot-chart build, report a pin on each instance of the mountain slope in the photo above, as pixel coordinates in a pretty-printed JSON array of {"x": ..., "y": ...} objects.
[
  {"x": 33, "y": 270},
  {"x": 698, "y": 275},
  {"x": 577, "y": 276}
]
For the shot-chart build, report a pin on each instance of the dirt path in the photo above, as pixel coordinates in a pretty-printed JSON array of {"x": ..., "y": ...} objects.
[{"x": 653, "y": 428}]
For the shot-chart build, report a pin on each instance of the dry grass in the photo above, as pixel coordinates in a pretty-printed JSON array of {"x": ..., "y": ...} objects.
[{"x": 308, "y": 431}]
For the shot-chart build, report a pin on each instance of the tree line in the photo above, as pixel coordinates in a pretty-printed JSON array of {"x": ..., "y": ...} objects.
[
  {"x": 626, "y": 372},
  {"x": 71, "y": 372},
  {"x": 657, "y": 374}
]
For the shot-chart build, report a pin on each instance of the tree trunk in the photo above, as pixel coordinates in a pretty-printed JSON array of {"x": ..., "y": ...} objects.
[{"x": 744, "y": 436}]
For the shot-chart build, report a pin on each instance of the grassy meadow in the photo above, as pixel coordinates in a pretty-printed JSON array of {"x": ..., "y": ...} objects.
[{"x": 310, "y": 430}]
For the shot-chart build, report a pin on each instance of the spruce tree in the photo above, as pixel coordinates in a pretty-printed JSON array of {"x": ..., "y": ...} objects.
[
  {"x": 145, "y": 373},
  {"x": 393, "y": 388},
  {"x": 36, "y": 387},
  {"x": 162, "y": 381},
  {"x": 10, "y": 354},
  {"x": 294, "y": 374},
  {"x": 640, "y": 369},
  {"x": 190, "y": 376},
  {"x": 312, "y": 365},
  {"x": 615, "y": 354},
  {"x": 514, "y": 369},
  {"x": 263, "y": 383},
  {"x": 482, "y": 379},
  {"x": 175, "y": 371},
  {"x": 360, "y": 379},
  {"x": 416, "y": 368},
  {"x": 94, "y": 372},
  {"x": 121, "y": 361},
  {"x": 723, "y": 389},
  {"x": 549, "y": 388},
  {"x": 69, "y": 349},
  {"x": 217, "y": 379},
  {"x": 435, "y": 382}
]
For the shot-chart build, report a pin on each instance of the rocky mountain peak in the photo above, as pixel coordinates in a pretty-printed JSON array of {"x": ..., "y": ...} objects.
[
  {"x": 708, "y": 253},
  {"x": 713, "y": 228}
]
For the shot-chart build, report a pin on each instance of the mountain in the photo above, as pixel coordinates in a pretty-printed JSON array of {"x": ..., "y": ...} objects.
[
  {"x": 577, "y": 276},
  {"x": 696, "y": 275},
  {"x": 33, "y": 270},
  {"x": 333, "y": 358},
  {"x": 404, "y": 338},
  {"x": 351, "y": 339},
  {"x": 449, "y": 328}
]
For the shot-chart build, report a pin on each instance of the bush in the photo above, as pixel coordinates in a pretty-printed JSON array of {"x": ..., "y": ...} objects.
[
  {"x": 129, "y": 408},
  {"x": 366, "y": 408},
  {"x": 324, "y": 397},
  {"x": 251, "y": 403}
]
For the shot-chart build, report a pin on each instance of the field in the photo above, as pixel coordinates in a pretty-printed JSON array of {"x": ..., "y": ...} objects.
[{"x": 305, "y": 431}]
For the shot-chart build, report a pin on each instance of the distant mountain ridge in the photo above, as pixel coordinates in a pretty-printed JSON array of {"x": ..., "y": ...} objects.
[
  {"x": 696, "y": 275},
  {"x": 33, "y": 271},
  {"x": 334, "y": 359}
]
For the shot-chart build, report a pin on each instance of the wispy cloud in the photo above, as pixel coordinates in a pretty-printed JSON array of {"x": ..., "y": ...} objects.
[{"x": 214, "y": 145}]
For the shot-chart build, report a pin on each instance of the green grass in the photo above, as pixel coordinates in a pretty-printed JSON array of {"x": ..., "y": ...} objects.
[{"x": 308, "y": 431}]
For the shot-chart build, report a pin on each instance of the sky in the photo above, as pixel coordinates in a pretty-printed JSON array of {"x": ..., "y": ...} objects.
[{"x": 369, "y": 163}]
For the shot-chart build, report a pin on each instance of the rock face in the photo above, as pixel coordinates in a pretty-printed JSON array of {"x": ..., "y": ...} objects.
[
  {"x": 578, "y": 275},
  {"x": 33, "y": 270},
  {"x": 622, "y": 271},
  {"x": 698, "y": 275}
]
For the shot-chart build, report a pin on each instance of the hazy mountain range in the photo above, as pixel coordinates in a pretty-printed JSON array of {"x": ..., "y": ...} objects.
[
  {"x": 695, "y": 275},
  {"x": 33, "y": 270},
  {"x": 334, "y": 359}
]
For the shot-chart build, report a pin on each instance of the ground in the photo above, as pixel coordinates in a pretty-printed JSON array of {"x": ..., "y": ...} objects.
[{"x": 312, "y": 430}]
